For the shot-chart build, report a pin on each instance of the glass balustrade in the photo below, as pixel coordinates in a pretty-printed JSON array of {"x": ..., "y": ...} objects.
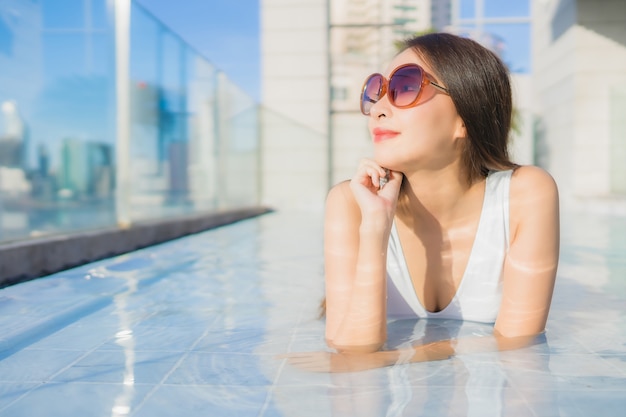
[{"x": 92, "y": 136}]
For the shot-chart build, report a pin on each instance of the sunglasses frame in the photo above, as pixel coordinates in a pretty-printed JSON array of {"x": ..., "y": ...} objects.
[{"x": 385, "y": 87}]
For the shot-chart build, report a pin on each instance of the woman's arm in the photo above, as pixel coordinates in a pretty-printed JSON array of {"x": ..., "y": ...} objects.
[
  {"x": 529, "y": 275},
  {"x": 357, "y": 226},
  {"x": 435, "y": 351},
  {"x": 530, "y": 266}
]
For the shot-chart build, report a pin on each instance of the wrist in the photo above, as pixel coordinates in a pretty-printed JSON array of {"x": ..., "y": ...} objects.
[{"x": 375, "y": 225}]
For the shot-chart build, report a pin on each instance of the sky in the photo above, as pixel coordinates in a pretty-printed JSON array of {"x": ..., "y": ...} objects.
[{"x": 225, "y": 32}]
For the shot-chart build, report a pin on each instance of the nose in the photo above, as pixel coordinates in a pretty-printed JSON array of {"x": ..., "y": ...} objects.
[{"x": 381, "y": 108}]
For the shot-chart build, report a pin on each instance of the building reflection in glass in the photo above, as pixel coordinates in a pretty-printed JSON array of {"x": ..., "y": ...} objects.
[{"x": 59, "y": 120}]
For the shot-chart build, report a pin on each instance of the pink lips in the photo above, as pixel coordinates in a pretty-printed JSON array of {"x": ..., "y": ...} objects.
[{"x": 383, "y": 134}]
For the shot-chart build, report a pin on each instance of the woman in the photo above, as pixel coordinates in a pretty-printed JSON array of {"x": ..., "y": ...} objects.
[{"x": 440, "y": 223}]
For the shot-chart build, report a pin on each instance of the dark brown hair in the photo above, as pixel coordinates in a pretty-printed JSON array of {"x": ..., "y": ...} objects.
[{"x": 478, "y": 83}]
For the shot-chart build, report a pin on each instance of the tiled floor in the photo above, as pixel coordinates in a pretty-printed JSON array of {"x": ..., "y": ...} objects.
[{"x": 192, "y": 328}]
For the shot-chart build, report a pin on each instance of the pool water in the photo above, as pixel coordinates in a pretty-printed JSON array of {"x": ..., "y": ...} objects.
[{"x": 193, "y": 327}]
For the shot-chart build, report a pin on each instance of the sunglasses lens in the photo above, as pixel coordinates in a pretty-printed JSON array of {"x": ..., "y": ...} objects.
[
  {"x": 404, "y": 86},
  {"x": 372, "y": 91}
]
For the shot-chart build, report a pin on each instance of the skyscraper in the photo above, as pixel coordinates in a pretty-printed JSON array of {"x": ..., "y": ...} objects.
[{"x": 12, "y": 136}]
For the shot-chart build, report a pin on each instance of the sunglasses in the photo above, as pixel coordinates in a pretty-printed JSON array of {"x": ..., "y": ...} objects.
[{"x": 403, "y": 87}]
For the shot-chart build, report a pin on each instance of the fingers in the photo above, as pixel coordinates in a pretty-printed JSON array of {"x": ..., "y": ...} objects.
[
  {"x": 308, "y": 361},
  {"x": 383, "y": 180},
  {"x": 339, "y": 362},
  {"x": 295, "y": 355},
  {"x": 390, "y": 186},
  {"x": 373, "y": 199},
  {"x": 392, "y": 176},
  {"x": 369, "y": 174}
]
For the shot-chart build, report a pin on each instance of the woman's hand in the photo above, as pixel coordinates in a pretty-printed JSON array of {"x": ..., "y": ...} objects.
[
  {"x": 359, "y": 217},
  {"x": 340, "y": 362},
  {"x": 370, "y": 196},
  {"x": 354, "y": 362}
]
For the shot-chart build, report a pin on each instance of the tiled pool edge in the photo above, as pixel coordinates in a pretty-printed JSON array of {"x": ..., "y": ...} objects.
[{"x": 33, "y": 258}]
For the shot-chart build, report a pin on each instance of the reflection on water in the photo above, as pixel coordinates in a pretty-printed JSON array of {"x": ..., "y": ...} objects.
[
  {"x": 124, "y": 338},
  {"x": 577, "y": 369},
  {"x": 210, "y": 312},
  {"x": 489, "y": 384}
]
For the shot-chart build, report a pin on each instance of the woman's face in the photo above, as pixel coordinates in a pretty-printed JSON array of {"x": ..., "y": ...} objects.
[{"x": 422, "y": 137}]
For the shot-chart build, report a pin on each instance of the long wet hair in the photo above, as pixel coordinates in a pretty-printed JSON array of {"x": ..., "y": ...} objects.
[{"x": 479, "y": 86}]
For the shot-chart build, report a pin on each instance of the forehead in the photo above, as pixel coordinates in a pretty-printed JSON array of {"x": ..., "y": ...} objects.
[{"x": 408, "y": 56}]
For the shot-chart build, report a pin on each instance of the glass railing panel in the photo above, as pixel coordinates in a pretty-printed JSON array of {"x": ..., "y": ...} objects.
[
  {"x": 203, "y": 156},
  {"x": 194, "y": 141},
  {"x": 158, "y": 118},
  {"x": 194, "y": 136},
  {"x": 238, "y": 145},
  {"x": 57, "y": 126}
]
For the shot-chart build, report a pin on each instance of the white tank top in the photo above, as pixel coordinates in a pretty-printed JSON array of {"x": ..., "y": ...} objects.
[{"x": 479, "y": 294}]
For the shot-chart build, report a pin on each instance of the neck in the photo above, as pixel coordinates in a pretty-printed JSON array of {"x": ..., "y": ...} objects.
[{"x": 438, "y": 196}]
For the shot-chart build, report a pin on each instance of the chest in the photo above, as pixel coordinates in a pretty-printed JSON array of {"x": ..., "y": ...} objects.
[{"x": 437, "y": 259}]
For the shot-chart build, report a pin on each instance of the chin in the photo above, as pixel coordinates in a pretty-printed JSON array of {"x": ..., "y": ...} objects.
[{"x": 386, "y": 161}]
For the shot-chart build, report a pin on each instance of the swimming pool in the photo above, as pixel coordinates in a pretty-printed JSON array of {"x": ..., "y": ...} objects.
[{"x": 192, "y": 327}]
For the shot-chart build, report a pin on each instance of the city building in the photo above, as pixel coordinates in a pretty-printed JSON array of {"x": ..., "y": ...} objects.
[
  {"x": 315, "y": 56},
  {"x": 579, "y": 99},
  {"x": 91, "y": 114},
  {"x": 108, "y": 117},
  {"x": 568, "y": 71}
]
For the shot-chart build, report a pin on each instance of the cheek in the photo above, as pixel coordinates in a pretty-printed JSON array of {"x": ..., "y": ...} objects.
[
  {"x": 428, "y": 134},
  {"x": 443, "y": 120},
  {"x": 430, "y": 129}
]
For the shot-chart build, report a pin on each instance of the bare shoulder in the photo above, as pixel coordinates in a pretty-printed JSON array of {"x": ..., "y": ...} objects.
[
  {"x": 340, "y": 191},
  {"x": 342, "y": 218},
  {"x": 340, "y": 198},
  {"x": 534, "y": 200},
  {"x": 530, "y": 183}
]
